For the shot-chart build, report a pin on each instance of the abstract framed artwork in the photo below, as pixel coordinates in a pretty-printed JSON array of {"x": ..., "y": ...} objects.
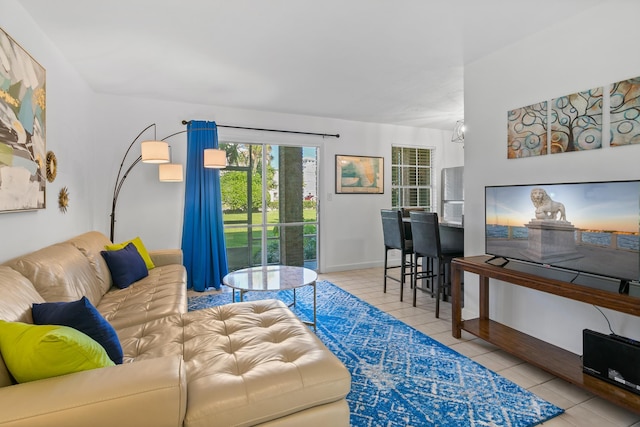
[
  {"x": 359, "y": 175},
  {"x": 527, "y": 131},
  {"x": 576, "y": 121},
  {"x": 22, "y": 129},
  {"x": 625, "y": 112}
]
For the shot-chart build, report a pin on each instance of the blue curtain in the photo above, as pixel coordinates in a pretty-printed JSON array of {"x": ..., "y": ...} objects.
[{"x": 205, "y": 255}]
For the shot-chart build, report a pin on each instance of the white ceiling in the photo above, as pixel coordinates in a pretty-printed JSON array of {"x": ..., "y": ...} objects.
[{"x": 383, "y": 61}]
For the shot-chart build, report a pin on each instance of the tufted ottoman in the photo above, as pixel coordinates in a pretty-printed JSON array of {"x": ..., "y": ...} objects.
[{"x": 248, "y": 363}]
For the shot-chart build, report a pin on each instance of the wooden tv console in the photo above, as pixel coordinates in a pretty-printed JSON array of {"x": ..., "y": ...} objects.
[{"x": 553, "y": 359}]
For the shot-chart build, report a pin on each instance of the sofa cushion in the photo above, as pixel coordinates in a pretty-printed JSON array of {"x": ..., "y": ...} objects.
[
  {"x": 162, "y": 293},
  {"x": 90, "y": 244},
  {"x": 126, "y": 265},
  {"x": 256, "y": 357},
  {"x": 17, "y": 294},
  {"x": 83, "y": 316},
  {"x": 137, "y": 242},
  {"x": 60, "y": 272},
  {"x": 33, "y": 352}
]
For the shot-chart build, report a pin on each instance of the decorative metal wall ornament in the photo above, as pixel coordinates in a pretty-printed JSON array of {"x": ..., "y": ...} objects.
[
  {"x": 576, "y": 121},
  {"x": 527, "y": 131},
  {"x": 22, "y": 128},
  {"x": 625, "y": 112},
  {"x": 63, "y": 199},
  {"x": 458, "y": 132},
  {"x": 52, "y": 166}
]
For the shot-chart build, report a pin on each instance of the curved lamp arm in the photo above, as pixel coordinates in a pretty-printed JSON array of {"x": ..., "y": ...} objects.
[
  {"x": 120, "y": 181},
  {"x": 120, "y": 178}
]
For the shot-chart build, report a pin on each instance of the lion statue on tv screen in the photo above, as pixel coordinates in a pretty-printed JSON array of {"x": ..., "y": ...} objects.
[{"x": 547, "y": 208}]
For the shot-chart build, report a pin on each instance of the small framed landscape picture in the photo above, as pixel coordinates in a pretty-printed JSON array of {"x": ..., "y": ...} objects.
[{"x": 359, "y": 175}]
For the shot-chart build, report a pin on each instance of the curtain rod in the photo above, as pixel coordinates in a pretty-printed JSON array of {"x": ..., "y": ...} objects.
[{"x": 337, "y": 135}]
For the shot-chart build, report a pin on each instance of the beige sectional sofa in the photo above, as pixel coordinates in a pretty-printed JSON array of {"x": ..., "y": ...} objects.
[{"x": 252, "y": 363}]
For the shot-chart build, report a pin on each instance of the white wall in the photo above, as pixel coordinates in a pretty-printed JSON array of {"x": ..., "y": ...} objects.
[
  {"x": 593, "y": 49},
  {"x": 69, "y": 134},
  {"x": 90, "y": 133},
  {"x": 351, "y": 231}
]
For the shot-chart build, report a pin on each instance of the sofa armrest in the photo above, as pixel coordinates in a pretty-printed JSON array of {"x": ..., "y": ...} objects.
[
  {"x": 148, "y": 392},
  {"x": 166, "y": 256}
]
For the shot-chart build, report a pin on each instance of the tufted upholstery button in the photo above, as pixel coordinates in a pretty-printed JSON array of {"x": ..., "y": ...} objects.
[{"x": 258, "y": 309}]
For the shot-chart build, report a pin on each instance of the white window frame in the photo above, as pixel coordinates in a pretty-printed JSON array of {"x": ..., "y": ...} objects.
[{"x": 401, "y": 183}]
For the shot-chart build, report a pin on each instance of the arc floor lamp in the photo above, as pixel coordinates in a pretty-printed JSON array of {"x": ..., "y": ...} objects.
[{"x": 159, "y": 152}]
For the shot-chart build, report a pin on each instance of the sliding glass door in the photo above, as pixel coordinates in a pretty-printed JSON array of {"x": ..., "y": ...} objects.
[{"x": 269, "y": 199}]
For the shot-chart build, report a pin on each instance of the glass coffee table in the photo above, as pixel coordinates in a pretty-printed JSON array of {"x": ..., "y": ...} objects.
[{"x": 273, "y": 278}]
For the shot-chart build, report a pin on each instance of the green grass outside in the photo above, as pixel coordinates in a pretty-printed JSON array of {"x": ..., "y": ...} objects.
[{"x": 237, "y": 237}]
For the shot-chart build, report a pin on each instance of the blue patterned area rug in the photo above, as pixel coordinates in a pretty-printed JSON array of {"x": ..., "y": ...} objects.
[{"x": 400, "y": 376}]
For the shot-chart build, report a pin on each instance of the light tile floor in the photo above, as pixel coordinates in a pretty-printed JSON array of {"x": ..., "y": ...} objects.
[{"x": 582, "y": 409}]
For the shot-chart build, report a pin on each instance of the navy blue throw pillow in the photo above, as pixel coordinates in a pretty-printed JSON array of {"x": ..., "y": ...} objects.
[
  {"x": 126, "y": 265},
  {"x": 84, "y": 317}
]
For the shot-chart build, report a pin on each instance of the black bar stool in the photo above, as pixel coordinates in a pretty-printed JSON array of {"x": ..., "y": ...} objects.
[
  {"x": 394, "y": 238},
  {"x": 425, "y": 231}
]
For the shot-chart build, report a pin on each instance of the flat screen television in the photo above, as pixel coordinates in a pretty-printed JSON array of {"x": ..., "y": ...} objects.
[{"x": 586, "y": 227}]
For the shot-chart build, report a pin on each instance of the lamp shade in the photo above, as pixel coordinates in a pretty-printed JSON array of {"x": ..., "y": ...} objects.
[
  {"x": 215, "y": 158},
  {"x": 154, "y": 151},
  {"x": 170, "y": 172}
]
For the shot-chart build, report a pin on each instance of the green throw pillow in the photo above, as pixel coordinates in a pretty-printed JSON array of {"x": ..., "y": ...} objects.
[
  {"x": 34, "y": 352},
  {"x": 137, "y": 242}
]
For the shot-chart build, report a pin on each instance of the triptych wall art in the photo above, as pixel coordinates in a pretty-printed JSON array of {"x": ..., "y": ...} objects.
[
  {"x": 527, "y": 131},
  {"x": 22, "y": 129},
  {"x": 625, "y": 112},
  {"x": 575, "y": 122}
]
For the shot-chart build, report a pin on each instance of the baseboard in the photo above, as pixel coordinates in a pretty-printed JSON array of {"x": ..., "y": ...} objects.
[{"x": 347, "y": 267}]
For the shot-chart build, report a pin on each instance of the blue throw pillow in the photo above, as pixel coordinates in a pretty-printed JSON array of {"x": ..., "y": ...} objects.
[
  {"x": 84, "y": 317},
  {"x": 126, "y": 265}
]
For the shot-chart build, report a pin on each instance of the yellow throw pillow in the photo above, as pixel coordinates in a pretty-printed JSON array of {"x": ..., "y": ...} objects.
[
  {"x": 34, "y": 352},
  {"x": 137, "y": 242}
]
